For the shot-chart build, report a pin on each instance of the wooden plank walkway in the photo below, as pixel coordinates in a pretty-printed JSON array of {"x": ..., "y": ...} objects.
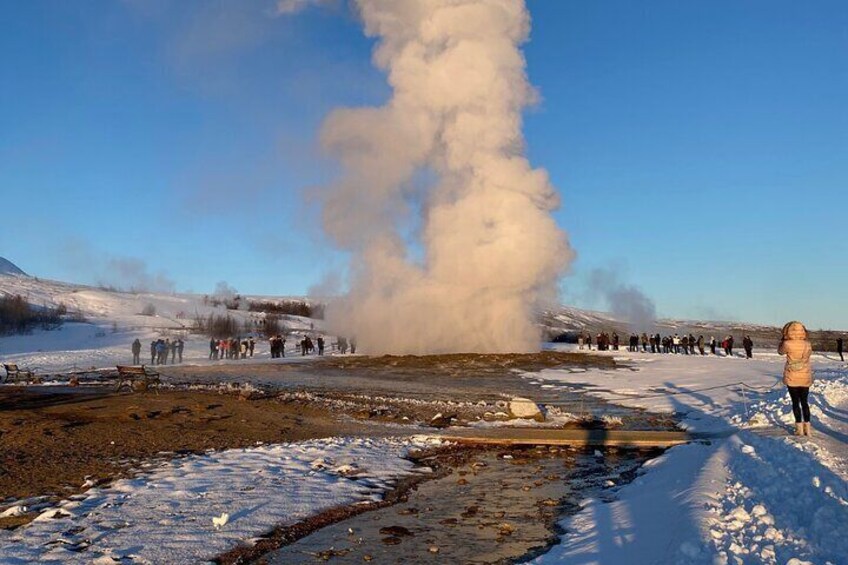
[{"x": 576, "y": 437}]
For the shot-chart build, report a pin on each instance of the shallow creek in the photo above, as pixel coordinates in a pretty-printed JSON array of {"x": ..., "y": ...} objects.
[{"x": 498, "y": 506}]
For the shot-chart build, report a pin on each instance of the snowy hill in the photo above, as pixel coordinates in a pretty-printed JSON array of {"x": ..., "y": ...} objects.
[
  {"x": 9, "y": 268},
  {"x": 97, "y": 305},
  {"x": 101, "y": 323}
]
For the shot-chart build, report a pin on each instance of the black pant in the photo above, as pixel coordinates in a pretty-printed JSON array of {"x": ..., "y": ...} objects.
[{"x": 799, "y": 395}]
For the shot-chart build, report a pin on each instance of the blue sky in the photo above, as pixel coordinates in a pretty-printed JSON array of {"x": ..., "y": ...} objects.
[{"x": 700, "y": 148}]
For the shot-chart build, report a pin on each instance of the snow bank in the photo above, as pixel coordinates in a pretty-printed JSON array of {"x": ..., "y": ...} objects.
[
  {"x": 165, "y": 516},
  {"x": 759, "y": 496}
]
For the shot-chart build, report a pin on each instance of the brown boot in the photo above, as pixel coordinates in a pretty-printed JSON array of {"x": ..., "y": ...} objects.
[
  {"x": 799, "y": 429},
  {"x": 808, "y": 429}
]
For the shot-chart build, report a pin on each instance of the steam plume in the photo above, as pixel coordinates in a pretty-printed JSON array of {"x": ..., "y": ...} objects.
[
  {"x": 625, "y": 301},
  {"x": 491, "y": 250}
]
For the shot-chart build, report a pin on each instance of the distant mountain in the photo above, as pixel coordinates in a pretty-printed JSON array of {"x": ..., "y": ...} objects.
[{"x": 9, "y": 268}]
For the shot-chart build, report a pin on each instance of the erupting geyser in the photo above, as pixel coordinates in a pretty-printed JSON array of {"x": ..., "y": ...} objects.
[{"x": 492, "y": 253}]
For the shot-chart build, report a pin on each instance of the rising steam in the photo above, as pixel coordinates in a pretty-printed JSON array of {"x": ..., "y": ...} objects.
[
  {"x": 491, "y": 252},
  {"x": 625, "y": 301}
]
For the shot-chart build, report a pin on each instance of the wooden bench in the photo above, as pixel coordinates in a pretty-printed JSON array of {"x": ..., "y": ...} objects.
[
  {"x": 15, "y": 372},
  {"x": 128, "y": 375}
]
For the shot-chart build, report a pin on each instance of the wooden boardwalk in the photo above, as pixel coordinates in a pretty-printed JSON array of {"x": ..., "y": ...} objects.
[{"x": 576, "y": 437}]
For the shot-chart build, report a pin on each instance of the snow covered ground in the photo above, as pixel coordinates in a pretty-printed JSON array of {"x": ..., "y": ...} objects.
[
  {"x": 166, "y": 514},
  {"x": 78, "y": 346},
  {"x": 114, "y": 320},
  {"x": 756, "y": 496}
]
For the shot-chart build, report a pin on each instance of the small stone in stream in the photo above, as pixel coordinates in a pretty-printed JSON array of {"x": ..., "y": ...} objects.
[
  {"x": 470, "y": 511},
  {"x": 462, "y": 482},
  {"x": 500, "y": 514},
  {"x": 407, "y": 511},
  {"x": 367, "y": 557},
  {"x": 448, "y": 522},
  {"x": 395, "y": 531},
  {"x": 391, "y": 540},
  {"x": 550, "y": 502},
  {"x": 433, "y": 549},
  {"x": 328, "y": 554},
  {"x": 477, "y": 464},
  {"x": 506, "y": 529},
  {"x": 526, "y": 488}
]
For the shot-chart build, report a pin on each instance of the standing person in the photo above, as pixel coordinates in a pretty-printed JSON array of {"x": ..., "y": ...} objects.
[
  {"x": 153, "y": 352},
  {"x": 644, "y": 339},
  {"x": 701, "y": 344},
  {"x": 748, "y": 344},
  {"x": 712, "y": 344},
  {"x": 303, "y": 346},
  {"x": 684, "y": 342},
  {"x": 730, "y": 345},
  {"x": 173, "y": 348},
  {"x": 213, "y": 348},
  {"x": 615, "y": 341},
  {"x": 798, "y": 374},
  {"x": 320, "y": 345},
  {"x": 352, "y": 345},
  {"x": 251, "y": 345},
  {"x": 282, "y": 339},
  {"x": 342, "y": 344},
  {"x": 589, "y": 341},
  {"x": 579, "y": 342},
  {"x": 180, "y": 347},
  {"x": 839, "y": 346},
  {"x": 136, "y": 351}
]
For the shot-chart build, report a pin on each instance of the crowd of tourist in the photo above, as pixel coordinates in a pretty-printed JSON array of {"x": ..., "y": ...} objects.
[
  {"x": 239, "y": 348},
  {"x": 656, "y": 343}
]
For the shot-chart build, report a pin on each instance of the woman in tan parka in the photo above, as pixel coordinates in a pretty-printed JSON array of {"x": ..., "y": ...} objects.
[{"x": 798, "y": 374}]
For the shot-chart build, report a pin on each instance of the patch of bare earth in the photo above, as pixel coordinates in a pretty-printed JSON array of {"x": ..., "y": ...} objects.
[{"x": 53, "y": 440}]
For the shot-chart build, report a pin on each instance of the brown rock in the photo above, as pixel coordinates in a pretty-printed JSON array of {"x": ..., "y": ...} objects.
[{"x": 397, "y": 531}]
